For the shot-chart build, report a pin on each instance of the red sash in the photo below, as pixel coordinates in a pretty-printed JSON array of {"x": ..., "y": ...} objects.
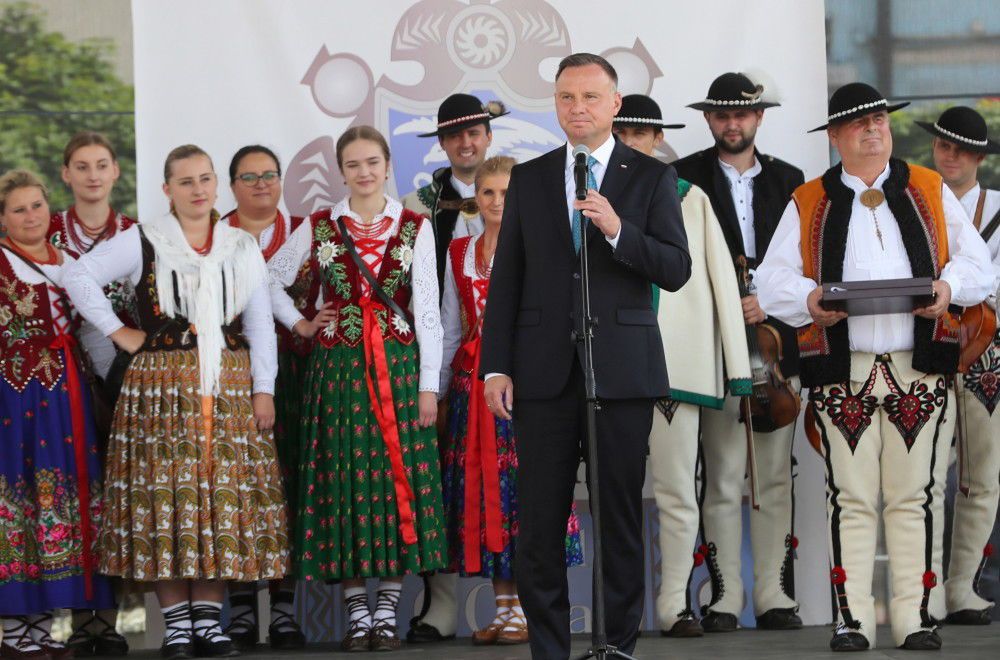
[
  {"x": 481, "y": 470},
  {"x": 385, "y": 412},
  {"x": 67, "y": 343}
]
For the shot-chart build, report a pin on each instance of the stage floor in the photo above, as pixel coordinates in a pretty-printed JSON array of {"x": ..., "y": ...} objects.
[{"x": 960, "y": 643}]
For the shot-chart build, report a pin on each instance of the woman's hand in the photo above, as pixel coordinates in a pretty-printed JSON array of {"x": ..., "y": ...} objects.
[
  {"x": 308, "y": 329},
  {"x": 128, "y": 339},
  {"x": 263, "y": 411},
  {"x": 427, "y": 404}
]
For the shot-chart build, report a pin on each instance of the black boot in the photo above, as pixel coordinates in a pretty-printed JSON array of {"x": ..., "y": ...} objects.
[{"x": 779, "y": 618}]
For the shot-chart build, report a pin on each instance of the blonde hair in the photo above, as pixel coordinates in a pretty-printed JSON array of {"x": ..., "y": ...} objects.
[
  {"x": 180, "y": 153},
  {"x": 17, "y": 179},
  {"x": 493, "y": 166}
]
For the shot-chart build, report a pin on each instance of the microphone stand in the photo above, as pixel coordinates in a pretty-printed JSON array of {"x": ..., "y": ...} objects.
[{"x": 599, "y": 648}]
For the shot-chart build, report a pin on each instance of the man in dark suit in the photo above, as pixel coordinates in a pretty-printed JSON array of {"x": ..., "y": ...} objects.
[
  {"x": 632, "y": 217},
  {"x": 749, "y": 191}
]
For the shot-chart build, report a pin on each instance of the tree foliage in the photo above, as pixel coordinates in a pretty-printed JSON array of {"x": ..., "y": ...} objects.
[{"x": 51, "y": 88}]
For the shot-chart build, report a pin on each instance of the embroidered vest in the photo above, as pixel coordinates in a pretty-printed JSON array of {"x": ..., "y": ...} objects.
[
  {"x": 171, "y": 334},
  {"x": 27, "y": 332},
  {"x": 303, "y": 292},
  {"x": 466, "y": 288},
  {"x": 341, "y": 281},
  {"x": 913, "y": 194},
  {"x": 121, "y": 293}
]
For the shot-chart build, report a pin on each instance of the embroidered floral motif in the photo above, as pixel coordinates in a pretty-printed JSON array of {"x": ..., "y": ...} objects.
[
  {"x": 851, "y": 413},
  {"x": 5, "y": 315},
  {"x": 983, "y": 379},
  {"x": 909, "y": 411},
  {"x": 40, "y": 526},
  {"x": 668, "y": 407}
]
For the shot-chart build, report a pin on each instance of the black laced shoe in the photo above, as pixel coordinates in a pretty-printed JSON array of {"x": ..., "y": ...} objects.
[
  {"x": 779, "y": 618},
  {"x": 177, "y": 643},
  {"x": 242, "y": 628},
  {"x": 718, "y": 622},
  {"x": 686, "y": 626},
  {"x": 848, "y": 639},
  {"x": 209, "y": 640},
  {"x": 284, "y": 633},
  {"x": 969, "y": 618},
  {"x": 17, "y": 642},
  {"x": 53, "y": 649},
  {"x": 922, "y": 640}
]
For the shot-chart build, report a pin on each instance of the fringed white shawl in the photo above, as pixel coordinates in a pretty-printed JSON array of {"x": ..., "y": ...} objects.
[{"x": 212, "y": 289}]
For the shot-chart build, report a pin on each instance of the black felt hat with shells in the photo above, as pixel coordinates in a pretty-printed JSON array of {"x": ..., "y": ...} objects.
[{"x": 460, "y": 111}]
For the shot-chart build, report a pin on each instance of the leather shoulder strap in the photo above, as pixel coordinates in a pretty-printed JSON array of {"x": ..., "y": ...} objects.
[
  {"x": 977, "y": 217},
  {"x": 367, "y": 274}
]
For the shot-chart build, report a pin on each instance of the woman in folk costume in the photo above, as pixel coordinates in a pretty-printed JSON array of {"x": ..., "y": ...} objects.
[
  {"x": 369, "y": 500},
  {"x": 255, "y": 179},
  {"x": 194, "y": 494},
  {"x": 50, "y": 494},
  {"x": 90, "y": 169},
  {"x": 479, "y": 472}
]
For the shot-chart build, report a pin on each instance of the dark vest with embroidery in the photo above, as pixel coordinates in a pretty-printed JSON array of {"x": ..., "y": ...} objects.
[
  {"x": 28, "y": 331},
  {"x": 341, "y": 281},
  {"x": 913, "y": 194},
  {"x": 164, "y": 333}
]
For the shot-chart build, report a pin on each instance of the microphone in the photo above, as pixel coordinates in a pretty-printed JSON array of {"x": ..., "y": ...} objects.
[{"x": 581, "y": 153}]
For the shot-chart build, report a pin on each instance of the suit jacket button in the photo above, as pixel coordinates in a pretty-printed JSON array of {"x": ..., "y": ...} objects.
[{"x": 576, "y": 276}]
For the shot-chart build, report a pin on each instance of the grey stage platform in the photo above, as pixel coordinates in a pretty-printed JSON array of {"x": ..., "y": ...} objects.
[{"x": 960, "y": 643}]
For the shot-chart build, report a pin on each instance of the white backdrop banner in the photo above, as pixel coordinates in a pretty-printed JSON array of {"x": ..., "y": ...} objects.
[{"x": 293, "y": 75}]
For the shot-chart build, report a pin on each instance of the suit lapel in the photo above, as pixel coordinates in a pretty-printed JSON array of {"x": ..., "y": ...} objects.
[
  {"x": 616, "y": 176},
  {"x": 555, "y": 190}
]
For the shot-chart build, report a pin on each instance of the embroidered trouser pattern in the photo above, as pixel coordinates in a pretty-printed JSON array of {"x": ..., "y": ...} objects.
[
  {"x": 882, "y": 436},
  {"x": 724, "y": 467},
  {"x": 976, "y": 514}
]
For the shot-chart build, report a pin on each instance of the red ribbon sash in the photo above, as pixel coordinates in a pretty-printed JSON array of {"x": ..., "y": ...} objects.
[
  {"x": 481, "y": 469},
  {"x": 385, "y": 413},
  {"x": 67, "y": 343}
]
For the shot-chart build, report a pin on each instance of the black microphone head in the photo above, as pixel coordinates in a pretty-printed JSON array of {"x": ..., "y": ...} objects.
[{"x": 581, "y": 153}]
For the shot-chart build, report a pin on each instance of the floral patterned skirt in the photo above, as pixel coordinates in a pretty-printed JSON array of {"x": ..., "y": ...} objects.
[
  {"x": 41, "y": 539},
  {"x": 347, "y": 523},
  {"x": 493, "y": 564},
  {"x": 167, "y": 515}
]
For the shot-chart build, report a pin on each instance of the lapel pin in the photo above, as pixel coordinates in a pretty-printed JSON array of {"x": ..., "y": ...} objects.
[{"x": 624, "y": 166}]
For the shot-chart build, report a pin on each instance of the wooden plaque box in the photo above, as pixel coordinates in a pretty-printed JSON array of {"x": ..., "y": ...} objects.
[{"x": 878, "y": 296}]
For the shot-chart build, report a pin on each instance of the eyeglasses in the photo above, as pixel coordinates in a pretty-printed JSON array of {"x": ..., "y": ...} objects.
[{"x": 251, "y": 178}]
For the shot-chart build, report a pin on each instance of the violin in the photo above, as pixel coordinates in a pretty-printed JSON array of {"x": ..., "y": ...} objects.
[
  {"x": 976, "y": 330},
  {"x": 774, "y": 403}
]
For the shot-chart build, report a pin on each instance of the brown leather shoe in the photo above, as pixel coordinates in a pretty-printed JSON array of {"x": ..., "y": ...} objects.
[
  {"x": 355, "y": 642},
  {"x": 384, "y": 637},
  {"x": 488, "y": 635},
  {"x": 514, "y": 631}
]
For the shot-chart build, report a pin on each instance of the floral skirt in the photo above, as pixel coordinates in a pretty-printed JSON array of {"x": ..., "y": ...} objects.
[
  {"x": 347, "y": 523},
  {"x": 493, "y": 564},
  {"x": 170, "y": 511},
  {"x": 41, "y": 537},
  {"x": 288, "y": 420}
]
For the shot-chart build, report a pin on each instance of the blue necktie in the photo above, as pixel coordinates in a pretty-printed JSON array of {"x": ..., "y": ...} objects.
[{"x": 578, "y": 218}]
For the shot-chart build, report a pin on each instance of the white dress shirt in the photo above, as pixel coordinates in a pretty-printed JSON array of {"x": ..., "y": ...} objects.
[
  {"x": 990, "y": 207},
  {"x": 602, "y": 155},
  {"x": 782, "y": 289},
  {"x": 464, "y": 190},
  {"x": 284, "y": 267},
  {"x": 741, "y": 189}
]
